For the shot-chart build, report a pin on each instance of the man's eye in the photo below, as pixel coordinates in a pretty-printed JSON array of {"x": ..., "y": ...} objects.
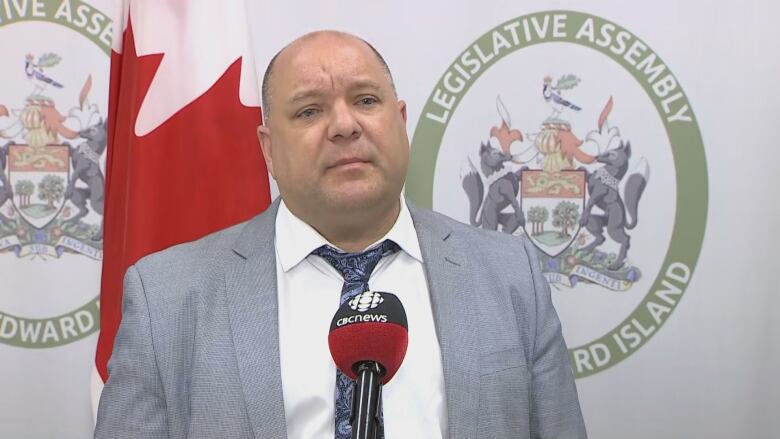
[
  {"x": 307, "y": 113},
  {"x": 367, "y": 100}
]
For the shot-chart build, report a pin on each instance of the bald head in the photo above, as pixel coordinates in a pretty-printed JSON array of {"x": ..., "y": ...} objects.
[{"x": 267, "y": 88}]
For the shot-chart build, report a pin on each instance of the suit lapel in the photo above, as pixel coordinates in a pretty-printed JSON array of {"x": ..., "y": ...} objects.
[
  {"x": 252, "y": 303},
  {"x": 455, "y": 316}
]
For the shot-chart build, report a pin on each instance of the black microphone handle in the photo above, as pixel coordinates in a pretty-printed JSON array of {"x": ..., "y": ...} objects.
[{"x": 365, "y": 400}]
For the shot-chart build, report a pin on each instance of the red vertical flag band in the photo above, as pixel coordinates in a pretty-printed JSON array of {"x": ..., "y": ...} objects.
[{"x": 197, "y": 171}]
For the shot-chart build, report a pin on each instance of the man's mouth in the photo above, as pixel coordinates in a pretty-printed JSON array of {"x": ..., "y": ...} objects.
[{"x": 348, "y": 162}]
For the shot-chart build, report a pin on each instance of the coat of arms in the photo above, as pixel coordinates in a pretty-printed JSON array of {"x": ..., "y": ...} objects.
[
  {"x": 568, "y": 202},
  {"x": 51, "y": 178}
]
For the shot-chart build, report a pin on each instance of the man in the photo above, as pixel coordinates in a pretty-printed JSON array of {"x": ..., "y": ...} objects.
[{"x": 225, "y": 337}]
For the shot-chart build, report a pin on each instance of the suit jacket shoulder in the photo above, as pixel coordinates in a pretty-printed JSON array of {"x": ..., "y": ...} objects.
[
  {"x": 192, "y": 259},
  {"x": 205, "y": 260},
  {"x": 500, "y": 253}
]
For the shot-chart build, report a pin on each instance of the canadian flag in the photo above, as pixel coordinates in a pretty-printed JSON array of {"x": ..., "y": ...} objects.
[{"x": 183, "y": 158}]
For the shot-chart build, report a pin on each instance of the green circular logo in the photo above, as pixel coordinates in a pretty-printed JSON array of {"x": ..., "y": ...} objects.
[
  {"x": 559, "y": 177},
  {"x": 50, "y": 202}
]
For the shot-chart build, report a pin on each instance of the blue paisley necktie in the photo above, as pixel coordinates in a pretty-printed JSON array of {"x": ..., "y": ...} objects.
[{"x": 356, "y": 268}]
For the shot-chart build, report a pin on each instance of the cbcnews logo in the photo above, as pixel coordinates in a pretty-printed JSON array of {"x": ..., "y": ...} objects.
[
  {"x": 362, "y": 303},
  {"x": 365, "y": 301}
]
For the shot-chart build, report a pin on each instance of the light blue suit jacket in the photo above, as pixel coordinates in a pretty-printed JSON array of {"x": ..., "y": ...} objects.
[{"x": 197, "y": 352}]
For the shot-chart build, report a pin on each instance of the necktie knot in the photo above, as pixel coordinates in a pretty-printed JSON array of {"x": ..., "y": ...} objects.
[{"x": 356, "y": 267}]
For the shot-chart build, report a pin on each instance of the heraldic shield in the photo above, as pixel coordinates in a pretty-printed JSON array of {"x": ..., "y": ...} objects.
[
  {"x": 39, "y": 176},
  {"x": 552, "y": 204}
]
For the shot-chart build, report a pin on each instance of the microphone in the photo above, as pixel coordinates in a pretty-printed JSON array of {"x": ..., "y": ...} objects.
[{"x": 368, "y": 339}]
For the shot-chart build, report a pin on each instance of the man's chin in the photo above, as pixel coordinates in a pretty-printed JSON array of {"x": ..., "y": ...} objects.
[
  {"x": 351, "y": 200},
  {"x": 355, "y": 200}
]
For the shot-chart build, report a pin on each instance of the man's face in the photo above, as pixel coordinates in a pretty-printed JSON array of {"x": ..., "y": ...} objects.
[{"x": 336, "y": 138}]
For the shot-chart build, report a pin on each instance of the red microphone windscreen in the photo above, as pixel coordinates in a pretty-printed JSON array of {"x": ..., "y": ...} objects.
[{"x": 370, "y": 327}]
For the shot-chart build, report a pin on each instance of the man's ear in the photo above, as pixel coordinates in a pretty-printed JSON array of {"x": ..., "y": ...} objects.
[
  {"x": 264, "y": 137},
  {"x": 402, "y": 109}
]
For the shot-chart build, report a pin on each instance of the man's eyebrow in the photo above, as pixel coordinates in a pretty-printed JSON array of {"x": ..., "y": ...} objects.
[
  {"x": 365, "y": 84},
  {"x": 304, "y": 95},
  {"x": 308, "y": 93}
]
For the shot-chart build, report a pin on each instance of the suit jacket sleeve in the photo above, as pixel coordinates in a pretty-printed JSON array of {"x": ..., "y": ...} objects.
[
  {"x": 555, "y": 408},
  {"x": 132, "y": 404}
]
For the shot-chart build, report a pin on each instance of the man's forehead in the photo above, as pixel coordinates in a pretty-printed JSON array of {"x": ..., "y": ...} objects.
[
  {"x": 333, "y": 77},
  {"x": 326, "y": 52},
  {"x": 338, "y": 66}
]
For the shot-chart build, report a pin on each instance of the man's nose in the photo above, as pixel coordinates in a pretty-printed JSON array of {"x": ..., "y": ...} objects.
[{"x": 343, "y": 123}]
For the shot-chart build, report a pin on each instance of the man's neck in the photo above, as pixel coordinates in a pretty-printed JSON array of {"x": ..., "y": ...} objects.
[{"x": 356, "y": 231}]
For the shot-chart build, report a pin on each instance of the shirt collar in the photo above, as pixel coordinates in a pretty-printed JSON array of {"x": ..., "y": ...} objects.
[{"x": 295, "y": 239}]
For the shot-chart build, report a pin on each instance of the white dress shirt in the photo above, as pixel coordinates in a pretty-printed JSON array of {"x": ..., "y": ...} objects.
[{"x": 309, "y": 289}]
